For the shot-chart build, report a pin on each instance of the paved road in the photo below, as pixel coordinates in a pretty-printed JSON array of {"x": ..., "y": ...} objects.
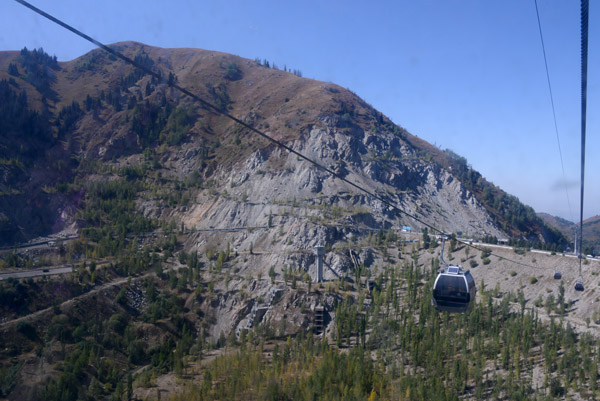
[
  {"x": 35, "y": 272},
  {"x": 46, "y": 243},
  {"x": 569, "y": 255}
]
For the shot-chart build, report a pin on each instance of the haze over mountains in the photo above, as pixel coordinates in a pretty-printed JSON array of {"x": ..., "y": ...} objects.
[
  {"x": 591, "y": 231},
  {"x": 96, "y": 109}
]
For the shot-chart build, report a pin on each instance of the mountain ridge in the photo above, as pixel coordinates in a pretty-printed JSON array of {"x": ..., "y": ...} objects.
[
  {"x": 106, "y": 111},
  {"x": 591, "y": 230}
]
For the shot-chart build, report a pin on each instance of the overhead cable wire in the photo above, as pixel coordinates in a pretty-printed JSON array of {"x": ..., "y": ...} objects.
[
  {"x": 584, "y": 62},
  {"x": 251, "y": 128},
  {"x": 553, "y": 109}
]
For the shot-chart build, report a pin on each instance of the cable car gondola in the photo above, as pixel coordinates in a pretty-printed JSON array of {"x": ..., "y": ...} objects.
[
  {"x": 557, "y": 275},
  {"x": 454, "y": 289},
  {"x": 579, "y": 285}
]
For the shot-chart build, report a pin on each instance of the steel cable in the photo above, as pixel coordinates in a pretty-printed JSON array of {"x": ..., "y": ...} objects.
[{"x": 251, "y": 128}]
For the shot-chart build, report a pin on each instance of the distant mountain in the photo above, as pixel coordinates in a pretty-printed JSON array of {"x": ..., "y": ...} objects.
[
  {"x": 591, "y": 230},
  {"x": 565, "y": 226},
  {"x": 94, "y": 146}
]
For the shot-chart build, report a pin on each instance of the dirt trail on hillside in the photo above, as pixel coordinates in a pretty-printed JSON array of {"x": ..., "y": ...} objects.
[{"x": 67, "y": 303}]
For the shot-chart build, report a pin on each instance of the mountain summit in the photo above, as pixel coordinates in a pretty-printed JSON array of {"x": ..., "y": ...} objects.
[{"x": 82, "y": 137}]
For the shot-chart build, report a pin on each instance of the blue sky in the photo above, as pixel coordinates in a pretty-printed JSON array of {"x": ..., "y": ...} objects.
[{"x": 462, "y": 74}]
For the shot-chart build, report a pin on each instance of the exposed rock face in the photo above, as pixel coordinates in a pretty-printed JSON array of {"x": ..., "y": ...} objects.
[
  {"x": 237, "y": 179},
  {"x": 298, "y": 195}
]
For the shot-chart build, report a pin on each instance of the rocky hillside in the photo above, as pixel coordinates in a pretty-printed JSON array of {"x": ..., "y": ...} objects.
[
  {"x": 191, "y": 273},
  {"x": 71, "y": 129}
]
